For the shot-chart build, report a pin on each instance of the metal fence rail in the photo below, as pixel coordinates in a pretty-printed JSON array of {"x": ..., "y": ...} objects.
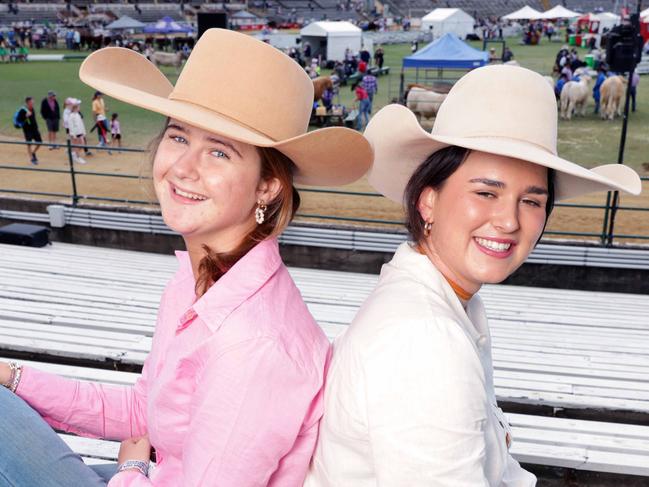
[{"x": 606, "y": 237}]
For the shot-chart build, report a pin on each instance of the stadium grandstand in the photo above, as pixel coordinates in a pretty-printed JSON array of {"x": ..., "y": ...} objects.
[{"x": 282, "y": 10}]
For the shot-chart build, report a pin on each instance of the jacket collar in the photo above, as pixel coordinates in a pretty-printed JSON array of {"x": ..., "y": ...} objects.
[
  {"x": 243, "y": 280},
  {"x": 407, "y": 258}
]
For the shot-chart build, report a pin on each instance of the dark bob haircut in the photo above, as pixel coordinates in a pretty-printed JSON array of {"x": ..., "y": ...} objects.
[{"x": 433, "y": 173}]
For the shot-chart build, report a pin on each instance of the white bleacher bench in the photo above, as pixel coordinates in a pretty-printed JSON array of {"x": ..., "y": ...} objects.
[
  {"x": 562, "y": 349},
  {"x": 582, "y": 445}
]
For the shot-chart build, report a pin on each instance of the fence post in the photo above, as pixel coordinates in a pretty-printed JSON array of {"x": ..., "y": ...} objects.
[
  {"x": 75, "y": 196},
  {"x": 604, "y": 234}
]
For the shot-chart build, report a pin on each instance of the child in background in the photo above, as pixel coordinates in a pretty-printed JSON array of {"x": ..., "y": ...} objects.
[
  {"x": 77, "y": 130},
  {"x": 115, "y": 131},
  {"x": 66, "y": 114}
]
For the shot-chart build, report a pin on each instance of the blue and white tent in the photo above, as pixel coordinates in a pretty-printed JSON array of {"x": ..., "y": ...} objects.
[
  {"x": 167, "y": 25},
  {"x": 447, "y": 52}
]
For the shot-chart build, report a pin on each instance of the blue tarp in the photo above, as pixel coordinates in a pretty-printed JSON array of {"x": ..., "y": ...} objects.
[{"x": 447, "y": 52}]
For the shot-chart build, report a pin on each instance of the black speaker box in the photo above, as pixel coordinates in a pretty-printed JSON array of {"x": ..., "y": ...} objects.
[
  {"x": 210, "y": 21},
  {"x": 24, "y": 234}
]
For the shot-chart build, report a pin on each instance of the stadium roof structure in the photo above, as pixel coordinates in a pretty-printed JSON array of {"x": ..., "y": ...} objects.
[
  {"x": 525, "y": 13},
  {"x": 447, "y": 52}
]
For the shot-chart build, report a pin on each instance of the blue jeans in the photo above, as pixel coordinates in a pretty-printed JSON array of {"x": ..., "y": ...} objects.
[
  {"x": 33, "y": 455},
  {"x": 364, "y": 110}
]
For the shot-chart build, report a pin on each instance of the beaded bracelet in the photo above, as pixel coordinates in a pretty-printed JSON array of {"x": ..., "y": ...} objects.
[
  {"x": 142, "y": 467},
  {"x": 14, "y": 378}
]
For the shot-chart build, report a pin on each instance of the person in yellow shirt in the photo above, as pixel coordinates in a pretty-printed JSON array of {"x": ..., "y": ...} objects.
[{"x": 99, "y": 114}]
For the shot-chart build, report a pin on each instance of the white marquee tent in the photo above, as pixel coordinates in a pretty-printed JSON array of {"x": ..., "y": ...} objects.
[
  {"x": 559, "y": 12},
  {"x": 607, "y": 20},
  {"x": 448, "y": 20},
  {"x": 525, "y": 13},
  {"x": 644, "y": 13},
  {"x": 330, "y": 39}
]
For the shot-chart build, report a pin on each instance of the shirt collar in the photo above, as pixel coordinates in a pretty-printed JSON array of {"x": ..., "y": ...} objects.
[
  {"x": 243, "y": 280},
  {"x": 408, "y": 259}
]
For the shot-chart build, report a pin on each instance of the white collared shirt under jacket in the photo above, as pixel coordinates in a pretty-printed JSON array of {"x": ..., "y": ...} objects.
[{"x": 409, "y": 400}]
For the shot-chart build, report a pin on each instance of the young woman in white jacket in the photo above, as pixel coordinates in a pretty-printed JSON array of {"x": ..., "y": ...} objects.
[{"x": 410, "y": 399}]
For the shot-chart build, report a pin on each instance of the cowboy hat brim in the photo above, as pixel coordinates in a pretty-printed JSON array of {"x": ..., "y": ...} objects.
[
  {"x": 401, "y": 145},
  {"x": 328, "y": 157}
]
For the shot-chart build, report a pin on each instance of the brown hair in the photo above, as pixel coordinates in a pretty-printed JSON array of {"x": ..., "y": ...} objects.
[
  {"x": 433, "y": 173},
  {"x": 278, "y": 215}
]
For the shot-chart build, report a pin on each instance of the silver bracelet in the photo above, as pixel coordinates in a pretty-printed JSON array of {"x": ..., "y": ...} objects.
[{"x": 142, "y": 467}]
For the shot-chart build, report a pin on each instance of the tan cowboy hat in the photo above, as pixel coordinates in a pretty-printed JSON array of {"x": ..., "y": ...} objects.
[
  {"x": 505, "y": 110},
  {"x": 236, "y": 86}
]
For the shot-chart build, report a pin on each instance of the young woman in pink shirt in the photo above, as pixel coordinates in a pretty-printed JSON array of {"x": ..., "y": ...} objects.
[{"x": 231, "y": 393}]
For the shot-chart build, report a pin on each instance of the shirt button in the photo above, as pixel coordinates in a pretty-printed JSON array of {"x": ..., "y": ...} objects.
[{"x": 482, "y": 341}]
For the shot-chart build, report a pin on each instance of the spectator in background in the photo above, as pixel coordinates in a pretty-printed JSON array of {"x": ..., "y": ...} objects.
[
  {"x": 370, "y": 84},
  {"x": 364, "y": 106},
  {"x": 51, "y": 112},
  {"x": 601, "y": 77},
  {"x": 365, "y": 56},
  {"x": 115, "y": 131},
  {"x": 99, "y": 115},
  {"x": 558, "y": 87},
  {"x": 508, "y": 55},
  {"x": 77, "y": 130},
  {"x": 378, "y": 56},
  {"x": 67, "y": 109},
  {"x": 27, "y": 121},
  {"x": 76, "y": 40},
  {"x": 633, "y": 88}
]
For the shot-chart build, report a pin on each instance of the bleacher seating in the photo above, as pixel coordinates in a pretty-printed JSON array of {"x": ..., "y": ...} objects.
[{"x": 558, "y": 348}]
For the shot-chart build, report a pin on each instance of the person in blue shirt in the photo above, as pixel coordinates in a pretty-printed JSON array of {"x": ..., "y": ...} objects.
[
  {"x": 562, "y": 80},
  {"x": 601, "y": 77}
]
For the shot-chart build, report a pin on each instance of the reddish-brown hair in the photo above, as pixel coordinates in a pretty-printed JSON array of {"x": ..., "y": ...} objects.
[{"x": 278, "y": 215}]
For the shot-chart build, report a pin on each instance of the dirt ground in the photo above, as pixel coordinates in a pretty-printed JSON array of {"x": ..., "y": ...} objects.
[{"x": 374, "y": 208}]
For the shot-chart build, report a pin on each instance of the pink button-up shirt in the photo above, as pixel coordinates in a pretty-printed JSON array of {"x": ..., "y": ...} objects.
[{"x": 231, "y": 393}]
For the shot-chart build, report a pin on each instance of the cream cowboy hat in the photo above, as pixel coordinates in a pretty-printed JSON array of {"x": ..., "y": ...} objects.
[
  {"x": 244, "y": 89},
  {"x": 505, "y": 110}
]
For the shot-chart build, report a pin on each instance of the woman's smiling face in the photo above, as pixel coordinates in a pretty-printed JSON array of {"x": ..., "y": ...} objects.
[
  {"x": 486, "y": 218},
  {"x": 207, "y": 185}
]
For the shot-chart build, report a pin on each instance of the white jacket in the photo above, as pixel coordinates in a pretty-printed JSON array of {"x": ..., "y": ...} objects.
[
  {"x": 409, "y": 400},
  {"x": 76, "y": 125}
]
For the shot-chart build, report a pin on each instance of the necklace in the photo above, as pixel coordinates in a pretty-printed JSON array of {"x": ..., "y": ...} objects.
[{"x": 459, "y": 291}]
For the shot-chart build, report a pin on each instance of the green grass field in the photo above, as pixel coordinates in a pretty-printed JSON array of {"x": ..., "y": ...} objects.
[{"x": 588, "y": 140}]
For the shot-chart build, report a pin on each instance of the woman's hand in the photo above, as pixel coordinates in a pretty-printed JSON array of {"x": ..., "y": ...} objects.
[
  {"x": 5, "y": 373},
  {"x": 135, "y": 449}
]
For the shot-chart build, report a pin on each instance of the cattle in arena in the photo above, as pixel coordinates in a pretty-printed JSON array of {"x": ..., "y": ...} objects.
[
  {"x": 574, "y": 96},
  {"x": 423, "y": 101},
  {"x": 612, "y": 92},
  {"x": 160, "y": 58},
  {"x": 320, "y": 84}
]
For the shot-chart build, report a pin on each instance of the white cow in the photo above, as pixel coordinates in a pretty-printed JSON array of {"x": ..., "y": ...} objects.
[
  {"x": 574, "y": 96},
  {"x": 423, "y": 102}
]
